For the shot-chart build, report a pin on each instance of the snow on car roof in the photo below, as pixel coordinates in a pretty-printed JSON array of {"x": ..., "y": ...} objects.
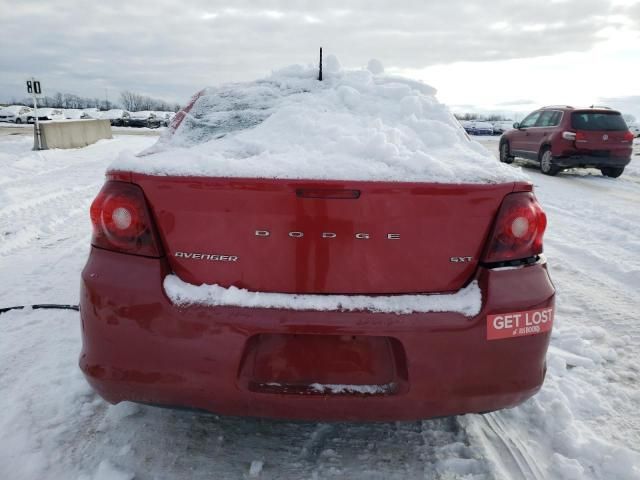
[
  {"x": 112, "y": 114},
  {"x": 12, "y": 108},
  {"x": 141, "y": 114},
  {"x": 353, "y": 125}
]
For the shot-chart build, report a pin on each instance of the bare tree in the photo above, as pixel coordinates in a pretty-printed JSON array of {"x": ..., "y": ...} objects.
[
  {"x": 128, "y": 100},
  {"x": 135, "y": 102}
]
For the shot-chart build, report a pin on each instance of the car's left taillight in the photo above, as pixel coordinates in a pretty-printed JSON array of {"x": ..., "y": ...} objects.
[{"x": 122, "y": 222}]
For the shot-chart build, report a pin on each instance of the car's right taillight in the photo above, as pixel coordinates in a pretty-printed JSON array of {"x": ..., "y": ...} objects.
[
  {"x": 628, "y": 136},
  {"x": 122, "y": 222},
  {"x": 518, "y": 229}
]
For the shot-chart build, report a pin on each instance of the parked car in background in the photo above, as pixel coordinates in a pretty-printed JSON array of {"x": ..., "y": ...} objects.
[
  {"x": 15, "y": 114},
  {"x": 164, "y": 117},
  {"x": 116, "y": 116},
  {"x": 92, "y": 113},
  {"x": 45, "y": 114},
  {"x": 559, "y": 137},
  {"x": 143, "y": 119},
  {"x": 73, "y": 114},
  {"x": 502, "y": 126},
  {"x": 466, "y": 124},
  {"x": 479, "y": 128}
]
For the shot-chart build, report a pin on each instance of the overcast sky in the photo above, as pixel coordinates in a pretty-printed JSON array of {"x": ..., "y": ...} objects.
[{"x": 490, "y": 54}]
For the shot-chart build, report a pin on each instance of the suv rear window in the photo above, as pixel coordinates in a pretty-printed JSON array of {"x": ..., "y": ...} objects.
[{"x": 597, "y": 121}]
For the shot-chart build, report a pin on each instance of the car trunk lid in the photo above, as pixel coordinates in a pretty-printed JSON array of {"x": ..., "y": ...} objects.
[{"x": 302, "y": 236}]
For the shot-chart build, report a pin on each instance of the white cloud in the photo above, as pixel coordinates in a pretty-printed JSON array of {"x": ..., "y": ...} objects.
[{"x": 171, "y": 49}]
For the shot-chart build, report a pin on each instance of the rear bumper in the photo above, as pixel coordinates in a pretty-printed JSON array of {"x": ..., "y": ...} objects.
[
  {"x": 584, "y": 161},
  {"x": 138, "y": 346}
]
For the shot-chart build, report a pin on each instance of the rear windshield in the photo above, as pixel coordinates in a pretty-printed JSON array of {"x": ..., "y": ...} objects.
[
  {"x": 597, "y": 121},
  {"x": 230, "y": 108}
]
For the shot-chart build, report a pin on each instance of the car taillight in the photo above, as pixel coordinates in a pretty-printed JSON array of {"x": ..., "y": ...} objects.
[
  {"x": 518, "y": 230},
  {"x": 571, "y": 136},
  {"x": 581, "y": 137},
  {"x": 628, "y": 136},
  {"x": 121, "y": 221}
]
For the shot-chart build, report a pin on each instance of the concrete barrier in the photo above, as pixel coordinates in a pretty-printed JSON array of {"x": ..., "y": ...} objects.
[{"x": 73, "y": 134}]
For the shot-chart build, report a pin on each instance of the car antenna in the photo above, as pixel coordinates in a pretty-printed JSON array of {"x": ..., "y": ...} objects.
[{"x": 320, "y": 71}]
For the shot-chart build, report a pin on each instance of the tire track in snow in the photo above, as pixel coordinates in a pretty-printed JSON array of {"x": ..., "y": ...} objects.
[
  {"x": 513, "y": 458},
  {"x": 41, "y": 229},
  {"x": 52, "y": 201}
]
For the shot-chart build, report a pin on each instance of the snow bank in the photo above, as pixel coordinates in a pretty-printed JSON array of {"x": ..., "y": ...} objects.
[
  {"x": 467, "y": 301},
  {"x": 565, "y": 425},
  {"x": 354, "y": 125}
]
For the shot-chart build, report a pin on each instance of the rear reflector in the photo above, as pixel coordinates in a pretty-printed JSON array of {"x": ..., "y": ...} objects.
[
  {"x": 518, "y": 231},
  {"x": 121, "y": 221}
]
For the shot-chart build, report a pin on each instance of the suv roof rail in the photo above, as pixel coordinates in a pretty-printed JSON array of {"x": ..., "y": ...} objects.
[
  {"x": 601, "y": 106},
  {"x": 557, "y": 106}
]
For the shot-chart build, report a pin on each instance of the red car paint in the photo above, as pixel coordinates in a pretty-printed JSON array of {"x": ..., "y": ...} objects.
[
  {"x": 138, "y": 346},
  {"x": 574, "y": 138},
  {"x": 323, "y": 245}
]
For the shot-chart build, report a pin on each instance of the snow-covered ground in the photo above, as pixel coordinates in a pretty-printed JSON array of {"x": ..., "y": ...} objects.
[{"x": 585, "y": 423}]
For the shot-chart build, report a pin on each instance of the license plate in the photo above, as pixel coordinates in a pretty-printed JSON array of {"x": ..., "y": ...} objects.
[{"x": 519, "y": 324}]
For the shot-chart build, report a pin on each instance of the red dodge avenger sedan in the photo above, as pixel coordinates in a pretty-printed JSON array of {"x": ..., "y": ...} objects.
[{"x": 313, "y": 299}]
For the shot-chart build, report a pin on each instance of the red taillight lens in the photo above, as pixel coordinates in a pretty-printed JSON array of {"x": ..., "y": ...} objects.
[
  {"x": 518, "y": 231},
  {"x": 121, "y": 221},
  {"x": 628, "y": 136},
  {"x": 581, "y": 137}
]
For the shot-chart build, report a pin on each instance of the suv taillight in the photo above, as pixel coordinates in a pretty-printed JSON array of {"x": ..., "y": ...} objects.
[
  {"x": 628, "y": 136},
  {"x": 121, "y": 221},
  {"x": 581, "y": 137},
  {"x": 518, "y": 230}
]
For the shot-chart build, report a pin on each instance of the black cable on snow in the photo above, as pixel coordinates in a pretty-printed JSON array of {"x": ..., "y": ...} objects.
[{"x": 42, "y": 306}]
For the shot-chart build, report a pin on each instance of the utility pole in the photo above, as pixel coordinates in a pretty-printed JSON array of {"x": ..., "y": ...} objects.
[{"x": 36, "y": 125}]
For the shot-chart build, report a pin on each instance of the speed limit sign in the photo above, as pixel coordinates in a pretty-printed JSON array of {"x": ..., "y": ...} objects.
[{"x": 34, "y": 88}]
